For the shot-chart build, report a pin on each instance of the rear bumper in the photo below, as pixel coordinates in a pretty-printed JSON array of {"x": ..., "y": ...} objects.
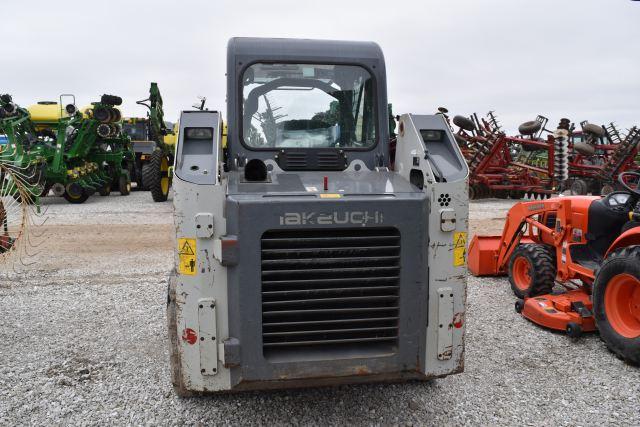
[{"x": 262, "y": 366}]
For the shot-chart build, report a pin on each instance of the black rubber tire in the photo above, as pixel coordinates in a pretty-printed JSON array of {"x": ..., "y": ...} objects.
[
  {"x": 152, "y": 177},
  {"x": 519, "y": 305},
  {"x": 574, "y": 330},
  {"x": 529, "y": 128},
  {"x": 620, "y": 261},
  {"x": 579, "y": 187},
  {"x": 543, "y": 269},
  {"x": 146, "y": 170},
  {"x": 78, "y": 200},
  {"x": 105, "y": 191},
  {"x": 175, "y": 360},
  {"x": 464, "y": 123},
  {"x": 593, "y": 129},
  {"x": 124, "y": 185}
]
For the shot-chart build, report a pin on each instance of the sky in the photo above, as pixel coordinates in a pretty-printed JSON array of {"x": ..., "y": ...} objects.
[{"x": 559, "y": 58}]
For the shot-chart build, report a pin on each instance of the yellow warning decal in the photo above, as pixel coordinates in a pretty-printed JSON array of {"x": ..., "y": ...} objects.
[
  {"x": 459, "y": 249},
  {"x": 187, "y": 255},
  {"x": 330, "y": 195}
]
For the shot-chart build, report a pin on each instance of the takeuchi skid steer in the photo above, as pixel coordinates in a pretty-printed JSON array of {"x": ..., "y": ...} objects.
[
  {"x": 591, "y": 246},
  {"x": 302, "y": 258}
]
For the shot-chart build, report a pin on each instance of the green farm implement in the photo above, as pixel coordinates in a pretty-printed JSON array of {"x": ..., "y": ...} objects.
[{"x": 66, "y": 151}]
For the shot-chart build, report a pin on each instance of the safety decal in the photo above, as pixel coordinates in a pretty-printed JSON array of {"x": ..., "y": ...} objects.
[
  {"x": 459, "y": 249},
  {"x": 187, "y": 255}
]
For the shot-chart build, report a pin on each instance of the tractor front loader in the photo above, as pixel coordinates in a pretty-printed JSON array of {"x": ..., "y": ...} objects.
[{"x": 588, "y": 245}]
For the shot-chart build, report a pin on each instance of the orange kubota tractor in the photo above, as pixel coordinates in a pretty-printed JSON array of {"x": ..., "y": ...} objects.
[{"x": 589, "y": 245}]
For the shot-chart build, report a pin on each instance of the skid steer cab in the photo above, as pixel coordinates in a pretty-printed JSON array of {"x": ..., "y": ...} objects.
[
  {"x": 588, "y": 245},
  {"x": 302, "y": 259}
]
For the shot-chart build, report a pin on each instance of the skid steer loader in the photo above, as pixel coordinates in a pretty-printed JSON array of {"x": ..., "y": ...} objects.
[{"x": 301, "y": 258}]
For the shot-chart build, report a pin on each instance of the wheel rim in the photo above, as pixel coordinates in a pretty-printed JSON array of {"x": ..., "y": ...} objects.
[
  {"x": 522, "y": 273},
  {"x": 164, "y": 181},
  {"x": 622, "y": 305}
]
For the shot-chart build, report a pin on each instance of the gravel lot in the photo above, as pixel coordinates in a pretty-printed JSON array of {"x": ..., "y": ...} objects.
[{"x": 83, "y": 341}]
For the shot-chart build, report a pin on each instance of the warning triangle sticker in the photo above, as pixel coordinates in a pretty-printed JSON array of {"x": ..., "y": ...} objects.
[
  {"x": 461, "y": 241},
  {"x": 186, "y": 249}
]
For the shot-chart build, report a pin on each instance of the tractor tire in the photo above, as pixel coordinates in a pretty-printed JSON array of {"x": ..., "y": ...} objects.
[
  {"x": 105, "y": 191},
  {"x": 532, "y": 270},
  {"x": 175, "y": 359},
  {"x": 76, "y": 199},
  {"x": 124, "y": 185},
  {"x": 616, "y": 303},
  {"x": 142, "y": 184},
  {"x": 156, "y": 176},
  {"x": 464, "y": 123},
  {"x": 593, "y": 129},
  {"x": 529, "y": 128},
  {"x": 579, "y": 187}
]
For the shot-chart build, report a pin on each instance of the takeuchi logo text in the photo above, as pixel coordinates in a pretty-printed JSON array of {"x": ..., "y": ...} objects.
[{"x": 332, "y": 218}]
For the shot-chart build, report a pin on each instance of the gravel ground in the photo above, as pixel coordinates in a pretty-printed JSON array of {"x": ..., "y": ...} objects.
[{"x": 83, "y": 341}]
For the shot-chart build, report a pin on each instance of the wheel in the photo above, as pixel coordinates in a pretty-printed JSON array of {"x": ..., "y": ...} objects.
[
  {"x": 594, "y": 129},
  {"x": 156, "y": 177},
  {"x": 529, "y": 128},
  {"x": 145, "y": 171},
  {"x": 76, "y": 194},
  {"x": 574, "y": 330},
  {"x": 45, "y": 190},
  {"x": 174, "y": 351},
  {"x": 579, "y": 187},
  {"x": 532, "y": 270},
  {"x": 464, "y": 123},
  {"x": 105, "y": 191},
  {"x": 584, "y": 148},
  {"x": 616, "y": 303},
  {"x": 519, "y": 306},
  {"x": 124, "y": 185}
]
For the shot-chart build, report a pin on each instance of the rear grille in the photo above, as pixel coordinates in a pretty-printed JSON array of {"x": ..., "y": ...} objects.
[
  {"x": 295, "y": 160},
  {"x": 329, "y": 288},
  {"x": 312, "y": 159}
]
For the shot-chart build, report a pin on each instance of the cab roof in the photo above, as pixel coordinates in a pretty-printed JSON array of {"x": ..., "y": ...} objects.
[{"x": 306, "y": 49}]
